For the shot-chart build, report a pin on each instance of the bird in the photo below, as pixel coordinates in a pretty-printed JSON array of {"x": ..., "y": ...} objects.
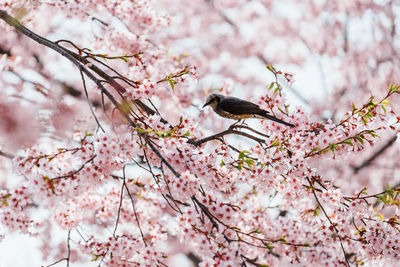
[{"x": 238, "y": 109}]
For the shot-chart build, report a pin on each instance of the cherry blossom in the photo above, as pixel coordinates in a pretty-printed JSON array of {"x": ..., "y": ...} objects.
[{"x": 103, "y": 140}]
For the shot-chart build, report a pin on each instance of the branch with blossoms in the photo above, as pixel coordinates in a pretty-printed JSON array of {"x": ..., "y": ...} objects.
[
  {"x": 346, "y": 255},
  {"x": 370, "y": 109},
  {"x": 83, "y": 65},
  {"x": 355, "y": 141},
  {"x": 177, "y": 77},
  {"x": 175, "y": 161},
  {"x": 264, "y": 243},
  {"x": 366, "y": 114},
  {"x": 231, "y": 130},
  {"x": 389, "y": 196},
  {"x": 274, "y": 87}
]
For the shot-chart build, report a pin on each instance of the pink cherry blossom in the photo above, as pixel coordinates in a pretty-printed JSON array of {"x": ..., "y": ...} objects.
[{"x": 107, "y": 155}]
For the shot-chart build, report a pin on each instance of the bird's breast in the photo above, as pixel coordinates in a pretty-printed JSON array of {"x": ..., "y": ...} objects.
[{"x": 228, "y": 115}]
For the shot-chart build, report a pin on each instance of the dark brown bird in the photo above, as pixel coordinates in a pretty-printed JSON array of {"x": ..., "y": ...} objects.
[{"x": 238, "y": 109}]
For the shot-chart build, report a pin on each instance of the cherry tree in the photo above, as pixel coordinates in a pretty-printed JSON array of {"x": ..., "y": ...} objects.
[{"x": 104, "y": 143}]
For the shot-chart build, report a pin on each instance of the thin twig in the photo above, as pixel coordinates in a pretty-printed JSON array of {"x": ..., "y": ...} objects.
[
  {"x": 56, "y": 262},
  {"x": 251, "y": 129},
  {"x": 331, "y": 223},
  {"x": 120, "y": 204},
  {"x": 74, "y": 172},
  {"x": 230, "y": 130},
  {"x": 379, "y": 152},
  {"x": 68, "y": 247},
  {"x": 134, "y": 209},
  {"x": 169, "y": 190},
  {"x": 206, "y": 212},
  {"x": 88, "y": 100}
]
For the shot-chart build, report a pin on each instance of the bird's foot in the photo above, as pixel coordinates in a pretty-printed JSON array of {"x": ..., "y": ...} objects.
[
  {"x": 233, "y": 125},
  {"x": 244, "y": 123}
]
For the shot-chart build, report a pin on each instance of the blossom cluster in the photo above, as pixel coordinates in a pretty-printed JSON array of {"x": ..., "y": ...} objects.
[{"x": 127, "y": 166}]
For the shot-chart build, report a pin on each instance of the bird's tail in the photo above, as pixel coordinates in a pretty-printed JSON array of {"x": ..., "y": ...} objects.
[{"x": 272, "y": 118}]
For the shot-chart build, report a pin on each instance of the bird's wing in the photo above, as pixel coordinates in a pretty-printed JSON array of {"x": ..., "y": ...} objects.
[{"x": 238, "y": 106}]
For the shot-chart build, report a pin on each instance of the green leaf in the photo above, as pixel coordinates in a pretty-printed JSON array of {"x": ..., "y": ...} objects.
[
  {"x": 389, "y": 191},
  {"x": 171, "y": 83},
  {"x": 95, "y": 257},
  {"x": 271, "y": 68},
  {"x": 316, "y": 212},
  {"x": 385, "y": 102},
  {"x": 268, "y": 245},
  {"x": 372, "y": 133},
  {"x": 124, "y": 59},
  {"x": 359, "y": 139},
  {"x": 348, "y": 142},
  {"x": 332, "y": 147},
  {"x": 275, "y": 143},
  {"x": 271, "y": 86},
  {"x": 243, "y": 153},
  {"x": 363, "y": 191},
  {"x": 5, "y": 198},
  {"x": 394, "y": 88},
  {"x": 249, "y": 162},
  {"x": 139, "y": 130},
  {"x": 282, "y": 239},
  {"x": 257, "y": 231},
  {"x": 315, "y": 149}
]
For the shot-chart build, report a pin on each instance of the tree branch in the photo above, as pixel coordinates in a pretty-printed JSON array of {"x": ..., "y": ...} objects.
[
  {"x": 230, "y": 130},
  {"x": 331, "y": 223},
  {"x": 80, "y": 63},
  {"x": 379, "y": 152},
  {"x": 6, "y": 155}
]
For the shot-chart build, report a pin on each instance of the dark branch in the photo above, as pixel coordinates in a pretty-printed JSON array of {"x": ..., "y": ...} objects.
[
  {"x": 74, "y": 172},
  {"x": 5, "y": 51},
  {"x": 230, "y": 130},
  {"x": 379, "y": 152},
  {"x": 119, "y": 206},
  {"x": 80, "y": 63},
  {"x": 133, "y": 207},
  {"x": 6, "y": 155},
  {"x": 68, "y": 248},
  {"x": 331, "y": 223}
]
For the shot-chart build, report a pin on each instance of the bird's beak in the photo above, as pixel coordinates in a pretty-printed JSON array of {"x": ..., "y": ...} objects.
[{"x": 206, "y": 104}]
